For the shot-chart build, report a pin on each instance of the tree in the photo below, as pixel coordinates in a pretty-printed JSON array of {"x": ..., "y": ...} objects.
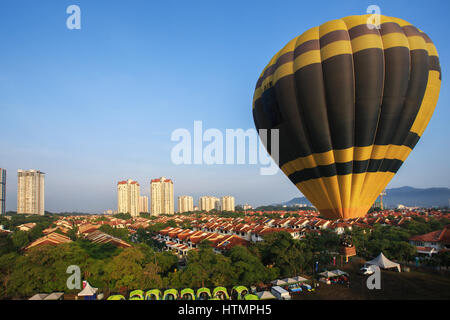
[
  {"x": 289, "y": 255},
  {"x": 125, "y": 269},
  {"x": 247, "y": 268}
]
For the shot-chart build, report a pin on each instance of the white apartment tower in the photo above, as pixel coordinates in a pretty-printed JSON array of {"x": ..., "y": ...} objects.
[
  {"x": 2, "y": 191},
  {"x": 128, "y": 193},
  {"x": 30, "y": 192},
  {"x": 185, "y": 204},
  {"x": 143, "y": 204},
  {"x": 161, "y": 196},
  {"x": 208, "y": 203},
  {"x": 227, "y": 203}
]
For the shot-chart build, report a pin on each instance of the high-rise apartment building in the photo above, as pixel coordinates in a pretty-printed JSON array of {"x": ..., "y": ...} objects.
[
  {"x": 30, "y": 192},
  {"x": 143, "y": 204},
  {"x": 2, "y": 191},
  {"x": 227, "y": 203},
  {"x": 161, "y": 196},
  {"x": 185, "y": 204},
  {"x": 207, "y": 203},
  {"x": 128, "y": 193}
]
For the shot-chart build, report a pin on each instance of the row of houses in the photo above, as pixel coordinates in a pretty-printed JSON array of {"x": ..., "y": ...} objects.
[{"x": 183, "y": 240}]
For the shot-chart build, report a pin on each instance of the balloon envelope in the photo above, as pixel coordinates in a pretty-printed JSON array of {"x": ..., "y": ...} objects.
[{"x": 350, "y": 102}]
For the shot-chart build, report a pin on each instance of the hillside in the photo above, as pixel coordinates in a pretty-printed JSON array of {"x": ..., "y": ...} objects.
[{"x": 407, "y": 196}]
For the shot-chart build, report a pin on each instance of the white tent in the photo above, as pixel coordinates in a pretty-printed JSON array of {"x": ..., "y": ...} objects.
[
  {"x": 384, "y": 263},
  {"x": 328, "y": 274},
  {"x": 299, "y": 279},
  {"x": 278, "y": 282},
  {"x": 289, "y": 280},
  {"x": 39, "y": 296},
  {"x": 265, "y": 295},
  {"x": 339, "y": 272},
  {"x": 54, "y": 296},
  {"x": 87, "y": 291}
]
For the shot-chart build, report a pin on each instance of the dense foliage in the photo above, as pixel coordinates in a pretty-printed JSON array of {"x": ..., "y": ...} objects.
[{"x": 145, "y": 266}]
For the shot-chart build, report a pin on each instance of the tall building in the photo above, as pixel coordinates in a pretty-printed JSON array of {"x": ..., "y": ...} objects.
[
  {"x": 227, "y": 203},
  {"x": 185, "y": 204},
  {"x": 30, "y": 192},
  {"x": 143, "y": 204},
  {"x": 208, "y": 203},
  {"x": 161, "y": 196},
  {"x": 128, "y": 193},
  {"x": 2, "y": 191}
]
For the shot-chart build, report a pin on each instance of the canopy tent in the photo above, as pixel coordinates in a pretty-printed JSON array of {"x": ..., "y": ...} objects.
[
  {"x": 278, "y": 282},
  {"x": 154, "y": 294},
  {"x": 170, "y": 294},
  {"x": 136, "y": 295},
  {"x": 384, "y": 263},
  {"x": 221, "y": 293},
  {"x": 299, "y": 279},
  {"x": 88, "y": 292},
  {"x": 266, "y": 295},
  {"x": 204, "y": 294},
  {"x": 39, "y": 296},
  {"x": 289, "y": 280},
  {"x": 187, "y": 294},
  {"x": 54, "y": 296},
  {"x": 327, "y": 274},
  {"x": 339, "y": 272}
]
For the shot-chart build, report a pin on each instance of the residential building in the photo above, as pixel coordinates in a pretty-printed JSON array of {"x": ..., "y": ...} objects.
[
  {"x": 161, "y": 196},
  {"x": 185, "y": 204},
  {"x": 432, "y": 242},
  {"x": 143, "y": 204},
  {"x": 30, "y": 192},
  {"x": 227, "y": 203},
  {"x": 2, "y": 191},
  {"x": 128, "y": 193},
  {"x": 208, "y": 203}
]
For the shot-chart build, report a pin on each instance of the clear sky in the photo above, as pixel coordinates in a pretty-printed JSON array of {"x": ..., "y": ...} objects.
[{"x": 94, "y": 106}]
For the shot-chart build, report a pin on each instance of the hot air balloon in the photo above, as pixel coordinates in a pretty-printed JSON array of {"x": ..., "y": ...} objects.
[{"x": 350, "y": 102}]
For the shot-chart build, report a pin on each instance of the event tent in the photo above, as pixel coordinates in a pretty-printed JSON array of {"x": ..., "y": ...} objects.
[
  {"x": 384, "y": 263},
  {"x": 39, "y": 296},
  {"x": 339, "y": 272},
  {"x": 88, "y": 292},
  {"x": 299, "y": 279},
  {"x": 289, "y": 280},
  {"x": 55, "y": 296},
  {"x": 327, "y": 274},
  {"x": 266, "y": 295},
  {"x": 278, "y": 282}
]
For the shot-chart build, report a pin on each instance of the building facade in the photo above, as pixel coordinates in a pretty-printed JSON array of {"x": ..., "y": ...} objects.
[
  {"x": 227, "y": 203},
  {"x": 30, "y": 192},
  {"x": 208, "y": 203},
  {"x": 128, "y": 193},
  {"x": 185, "y": 204},
  {"x": 2, "y": 191},
  {"x": 143, "y": 204},
  {"x": 161, "y": 196}
]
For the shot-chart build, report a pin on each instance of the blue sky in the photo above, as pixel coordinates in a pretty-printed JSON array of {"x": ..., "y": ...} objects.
[{"x": 94, "y": 106}]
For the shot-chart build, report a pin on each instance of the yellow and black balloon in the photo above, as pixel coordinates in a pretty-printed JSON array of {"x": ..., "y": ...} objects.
[{"x": 350, "y": 101}]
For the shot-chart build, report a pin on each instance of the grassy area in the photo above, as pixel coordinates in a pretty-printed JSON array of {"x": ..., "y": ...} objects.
[{"x": 394, "y": 285}]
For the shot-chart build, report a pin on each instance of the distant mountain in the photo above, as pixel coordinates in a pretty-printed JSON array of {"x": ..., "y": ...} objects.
[{"x": 407, "y": 196}]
